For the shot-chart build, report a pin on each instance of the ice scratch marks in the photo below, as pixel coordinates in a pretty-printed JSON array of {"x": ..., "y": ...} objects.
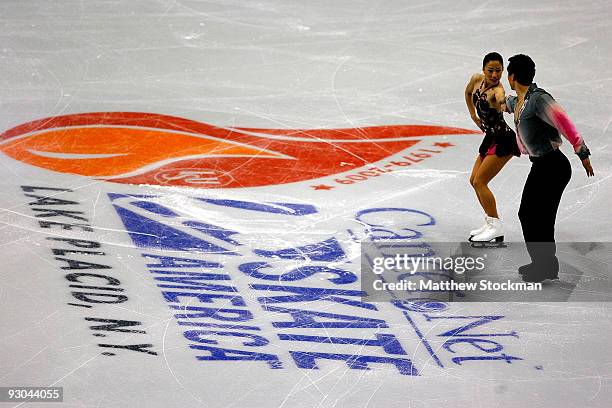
[
  {"x": 605, "y": 129},
  {"x": 167, "y": 362},
  {"x": 599, "y": 383},
  {"x": 571, "y": 42},
  {"x": 424, "y": 79},
  {"x": 343, "y": 60},
  {"x": 480, "y": 8}
]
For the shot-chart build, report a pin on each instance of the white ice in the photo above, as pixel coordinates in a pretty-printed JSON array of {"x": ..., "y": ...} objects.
[{"x": 297, "y": 65}]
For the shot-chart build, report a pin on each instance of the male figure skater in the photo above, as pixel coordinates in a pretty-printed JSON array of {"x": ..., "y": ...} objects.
[{"x": 539, "y": 119}]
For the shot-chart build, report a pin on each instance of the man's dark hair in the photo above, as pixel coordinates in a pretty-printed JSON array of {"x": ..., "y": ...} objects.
[
  {"x": 492, "y": 56},
  {"x": 522, "y": 67}
]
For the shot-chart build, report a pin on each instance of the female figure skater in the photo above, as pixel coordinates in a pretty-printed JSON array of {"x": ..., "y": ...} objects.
[{"x": 486, "y": 100}]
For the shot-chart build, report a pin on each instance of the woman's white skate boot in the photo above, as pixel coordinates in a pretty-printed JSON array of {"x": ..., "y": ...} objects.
[
  {"x": 493, "y": 233},
  {"x": 478, "y": 230}
]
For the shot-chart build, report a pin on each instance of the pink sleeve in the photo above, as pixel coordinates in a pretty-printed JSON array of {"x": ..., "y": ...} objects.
[{"x": 555, "y": 116}]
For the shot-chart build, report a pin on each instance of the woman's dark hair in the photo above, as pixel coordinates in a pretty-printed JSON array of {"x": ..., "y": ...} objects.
[
  {"x": 522, "y": 67},
  {"x": 492, "y": 56}
]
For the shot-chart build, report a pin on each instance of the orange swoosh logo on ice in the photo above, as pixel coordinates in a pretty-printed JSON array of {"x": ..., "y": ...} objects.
[
  {"x": 111, "y": 151},
  {"x": 148, "y": 148}
]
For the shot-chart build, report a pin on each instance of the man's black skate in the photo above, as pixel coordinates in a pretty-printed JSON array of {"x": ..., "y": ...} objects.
[
  {"x": 540, "y": 276},
  {"x": 524, "y": 269},
  {"x": 540, "y": 272}
]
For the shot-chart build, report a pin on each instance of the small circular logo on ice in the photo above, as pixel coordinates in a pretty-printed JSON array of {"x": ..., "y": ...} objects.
[
  {"x": 146, "y": 148},
  {"x": 194, "y": 177},
  {"x": 421, "y": 305}
]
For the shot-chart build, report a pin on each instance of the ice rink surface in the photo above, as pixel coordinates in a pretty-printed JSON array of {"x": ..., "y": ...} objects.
[{"x": 180, "y": 227}]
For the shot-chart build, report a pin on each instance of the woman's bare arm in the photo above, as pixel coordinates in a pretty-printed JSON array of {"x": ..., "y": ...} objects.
[{"x": 468, "y": 99}]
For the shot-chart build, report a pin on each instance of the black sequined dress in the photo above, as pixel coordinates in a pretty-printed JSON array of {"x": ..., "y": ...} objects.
[{"x": 499, "y": 138}]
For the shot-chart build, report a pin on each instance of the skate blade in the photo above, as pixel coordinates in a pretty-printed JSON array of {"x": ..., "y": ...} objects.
[
  {"x": 540, "y": 279},
  {"x": 498, "y": 242}
]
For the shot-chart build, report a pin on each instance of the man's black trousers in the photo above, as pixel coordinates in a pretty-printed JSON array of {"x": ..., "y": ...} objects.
[{"x": 547, "y": 179}]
